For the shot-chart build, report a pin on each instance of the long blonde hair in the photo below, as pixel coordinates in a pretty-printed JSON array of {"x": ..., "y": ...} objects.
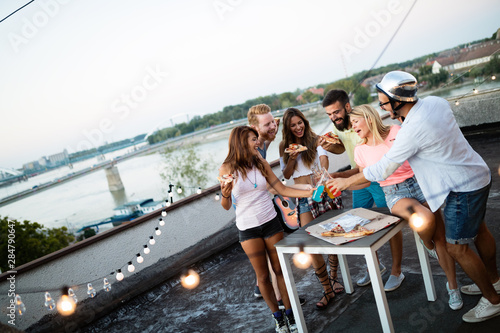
[{"x": 373, "y": 121}]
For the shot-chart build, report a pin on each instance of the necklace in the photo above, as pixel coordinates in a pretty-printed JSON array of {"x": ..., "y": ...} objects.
[{"x": 255, "y": 176}]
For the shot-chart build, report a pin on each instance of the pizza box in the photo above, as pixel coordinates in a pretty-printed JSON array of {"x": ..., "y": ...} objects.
[{"x": 367, "y": 218}]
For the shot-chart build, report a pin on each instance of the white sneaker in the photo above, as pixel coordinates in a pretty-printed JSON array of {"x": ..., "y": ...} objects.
[
  {"x": 365, "y": 280},
  {"x": 473, "y": 289},
  {"x": 394, "y": 282},
  {"x": 432, "y": 252},
  {"x": 484, "y": 310},
  {"x": 455, "y": 301}
]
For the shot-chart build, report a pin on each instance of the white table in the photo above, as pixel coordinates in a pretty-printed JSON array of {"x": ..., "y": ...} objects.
[{"x": 365, "y": 246}]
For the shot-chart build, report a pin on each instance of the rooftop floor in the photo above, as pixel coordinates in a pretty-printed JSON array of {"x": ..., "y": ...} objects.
[{"x": 224, "y": 301}]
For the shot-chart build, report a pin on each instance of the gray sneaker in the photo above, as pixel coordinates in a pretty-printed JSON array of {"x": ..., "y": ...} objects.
[
  {"x": 280, "y": 324},
  {"x": 473, "y": 289},
  {"x": 455, "y": 301},
  {"x": 484, "y": 310},
  {"x": 394, "y": 282},
  {"x": 432, "y": 252},
  {"x": 365, "y": 280}
]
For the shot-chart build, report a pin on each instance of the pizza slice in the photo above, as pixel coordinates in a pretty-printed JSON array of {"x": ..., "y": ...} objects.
[
  {"x": 330, "y": 137},
  {"x": 358, "y": 231},
  {"x": 295, "y": 147},
  {"x": 226, "y": 179},
  {"x": 337, "y": 231}
]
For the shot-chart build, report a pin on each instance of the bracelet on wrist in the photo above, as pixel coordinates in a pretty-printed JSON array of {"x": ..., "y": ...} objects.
[{"x": 225, "y": 196}]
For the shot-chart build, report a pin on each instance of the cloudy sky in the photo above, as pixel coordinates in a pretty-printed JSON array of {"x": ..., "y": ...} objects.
[{"x": 77, "y": 73}]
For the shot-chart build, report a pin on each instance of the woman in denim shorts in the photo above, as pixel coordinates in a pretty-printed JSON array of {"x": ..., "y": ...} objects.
[
  {"x": 402, "y": 192},
  {"x": 298, "y": 165},
  {"x": 244, "y": 178}
]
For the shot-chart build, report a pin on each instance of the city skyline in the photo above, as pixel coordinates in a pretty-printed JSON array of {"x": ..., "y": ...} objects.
[{"x": 77, "y": 74}]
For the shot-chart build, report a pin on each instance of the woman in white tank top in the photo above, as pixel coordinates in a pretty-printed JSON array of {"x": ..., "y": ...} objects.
[
  {"x": 259, "y": 228},
  {"x": 296, "y": 129}
]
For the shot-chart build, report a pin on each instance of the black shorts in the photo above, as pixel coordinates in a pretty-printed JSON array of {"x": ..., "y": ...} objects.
[{"x": 264, "y": 231}]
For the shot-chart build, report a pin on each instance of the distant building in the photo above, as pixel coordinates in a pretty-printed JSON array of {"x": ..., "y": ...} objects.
[
  {"x": 467, "y": 57},
  {"x": 152, "y": 206}
]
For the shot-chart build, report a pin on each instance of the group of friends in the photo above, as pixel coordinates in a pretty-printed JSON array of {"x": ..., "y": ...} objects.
[{"x": 423, "y": 166}]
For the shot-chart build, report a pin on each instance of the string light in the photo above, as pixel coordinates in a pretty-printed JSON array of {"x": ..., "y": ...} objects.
[
  {"x": 140, "y": 259},
  {"x": 217, "y": 197},
  {"x": 475, "y": 91},
  {"x": 190, "y": 279},
  {"x": 161, "y": 222},
  {"x": 164, "y": 212},
  {"x": 130, "y": 267},
  {"x": 50, "y": 304},
  {"x": 71, "y": 294},
  {"x": 119, "y": 275},
  {"x": 198, "y": 190},
  {"x": 283, "y": 181},
  {"x": 106, "y": 285},
  {"x": 416, "y": 222},
  {"x": 90, "y": 290},
  {"x": 179, "y": 190},
  {"x": 302, "y": 260},
  {"x": 146, "y": 249},
  {"x": 157, "y": 231},
  {"x": 66, "y": 304},
  {"x": 20, "y": 307},
  {"x": 493, "y": 77},
  {"x": 457, "y": 103},
  {"x": 152, "y": 240}
]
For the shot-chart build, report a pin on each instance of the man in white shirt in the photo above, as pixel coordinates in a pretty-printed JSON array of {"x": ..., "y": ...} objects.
[{"x": 448, "y": 171}]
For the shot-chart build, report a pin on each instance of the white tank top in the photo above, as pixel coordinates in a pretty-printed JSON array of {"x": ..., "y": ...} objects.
[{"x": 253, "y": 205}]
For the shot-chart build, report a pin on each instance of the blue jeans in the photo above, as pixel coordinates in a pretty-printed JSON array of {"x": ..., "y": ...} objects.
[
  {"x": 303, "y": 206},
  {"x": 365, "y": 197},
  {"x": 463, "y": 214}
]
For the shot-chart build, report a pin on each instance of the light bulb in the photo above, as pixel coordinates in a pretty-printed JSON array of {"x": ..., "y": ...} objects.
[
  {"x": 302, "y": 260},
  {"x": 157, "y": 231},
  {"x": 130, "y": 267},
  {"x": 168, "y": 204},
  {"x": 475, "y": 91},
  {"x": 152, "y": 240},
  {"x": 217, "y": 197},
  {"x": 190, "y": 280},
  {"x": 283, "y": 181},
  {"x": 107, "y": 285},
  {"x": 493, "y": 77},
  {"x": 198, "y": 190},
  {"x": 90, "y": 290},
  {"x": 163, "y": 212},
  {"x": 146, "y": 249},
  {"x": 20, "y": 307},
  {"x": 170, "y": 194},
  {"x": 179, "y": 190},
  {"x": 161, "y": 222},
  {"x": 66, "y": 304},
  {"x": 456, "y": 103},
  {"x": 139, "y": 258},
  {"x": 49, "y": 301},
  {"x": 71, "y": 294},
  {"x": 416, "y": 222},
  {"x": 119, "y": 275}
]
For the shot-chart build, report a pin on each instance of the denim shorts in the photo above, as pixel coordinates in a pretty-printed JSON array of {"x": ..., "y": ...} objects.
[
  {"x": 366, "y": 197},
  {"x": 303, "y": 206},
  {"x": 407, "y": 189},
  {"x": 264, "y": 231},
  {"x": 463, "y": 214}
]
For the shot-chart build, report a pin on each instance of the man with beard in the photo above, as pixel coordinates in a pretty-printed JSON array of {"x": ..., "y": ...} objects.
[
  {"x": 337, "y": 107},
  {"x": 260, "y": 117}
]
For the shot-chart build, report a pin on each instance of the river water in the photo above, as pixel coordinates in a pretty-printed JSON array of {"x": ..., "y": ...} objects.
[{"x": 87, "y": 199}]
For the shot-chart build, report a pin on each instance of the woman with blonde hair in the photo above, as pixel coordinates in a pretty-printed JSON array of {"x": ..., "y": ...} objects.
[
  {"x": 402, "y": 191},
  {"x": 299, "y": 165},
  {"x": 256, "y": 219}
]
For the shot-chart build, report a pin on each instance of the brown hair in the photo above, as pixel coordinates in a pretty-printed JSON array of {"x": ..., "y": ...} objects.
[
  {"x": 254, "y": 111},
  {"x": 309, "y": 139},
  {"x": 240, "y": 157}
]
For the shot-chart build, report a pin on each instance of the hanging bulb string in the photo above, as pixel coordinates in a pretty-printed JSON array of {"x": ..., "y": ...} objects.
[{"x": 123, "y": 268}]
